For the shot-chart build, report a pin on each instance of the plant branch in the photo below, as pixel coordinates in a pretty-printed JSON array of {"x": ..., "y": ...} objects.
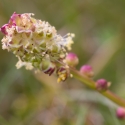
[{"x": 90, "y": 83}]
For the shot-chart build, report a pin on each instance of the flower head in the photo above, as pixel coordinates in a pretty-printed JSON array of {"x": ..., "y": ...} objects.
[{"x": 35, "y": 42}]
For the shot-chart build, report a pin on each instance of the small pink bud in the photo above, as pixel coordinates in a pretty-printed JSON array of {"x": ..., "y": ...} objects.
[
  {"x": 87, "y": 70},
  {"x": 120, "y": 112},
  {"x": 102, "y": 85},
  {"x": 72, "y": 59}
]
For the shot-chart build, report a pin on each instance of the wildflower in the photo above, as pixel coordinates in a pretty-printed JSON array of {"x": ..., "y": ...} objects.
[
  {"x": 35, "y": 43},
  {"x": 87, "y": 70}
]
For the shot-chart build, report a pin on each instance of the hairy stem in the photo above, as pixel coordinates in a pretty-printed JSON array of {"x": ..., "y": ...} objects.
[{"x": 90, "y": 83}]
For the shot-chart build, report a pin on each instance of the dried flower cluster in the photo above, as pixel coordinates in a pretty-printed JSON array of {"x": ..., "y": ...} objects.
[{"x": 36, "y": 44}]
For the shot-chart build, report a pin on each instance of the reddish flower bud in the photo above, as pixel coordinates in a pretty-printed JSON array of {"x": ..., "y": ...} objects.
[
  {"x": 102, "y": 85},
  {"x": 72, "y": 59},
  {"x": 120, "y": 112},
  {"x": 87, "y": 70}
]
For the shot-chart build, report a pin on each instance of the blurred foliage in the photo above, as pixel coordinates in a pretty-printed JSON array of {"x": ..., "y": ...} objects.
[{"x": 27, "y": 98}]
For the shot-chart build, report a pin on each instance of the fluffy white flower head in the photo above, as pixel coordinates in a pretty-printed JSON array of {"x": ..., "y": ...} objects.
[{"x": 35, "y": 42}]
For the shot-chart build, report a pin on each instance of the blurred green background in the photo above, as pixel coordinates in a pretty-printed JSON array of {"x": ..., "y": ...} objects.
[{"x": 27, "y": 98}]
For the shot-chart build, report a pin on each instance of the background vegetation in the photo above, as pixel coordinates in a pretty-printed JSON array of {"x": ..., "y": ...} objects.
[{"x": 27, "y": 98}]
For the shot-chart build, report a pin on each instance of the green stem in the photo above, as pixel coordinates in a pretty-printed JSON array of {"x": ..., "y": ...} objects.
[{"x": 90, "y": 83}]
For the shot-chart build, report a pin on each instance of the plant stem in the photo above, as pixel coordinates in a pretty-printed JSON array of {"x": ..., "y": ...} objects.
[{"x": 90, "y": 83}]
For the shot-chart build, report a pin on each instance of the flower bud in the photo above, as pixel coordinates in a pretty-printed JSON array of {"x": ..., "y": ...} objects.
[
  {"x": 102, "y": 85},
  {"x": 87, "y": 70},
  {"x": 72, "y": 59},
  {"x": 120, "y": 112}
]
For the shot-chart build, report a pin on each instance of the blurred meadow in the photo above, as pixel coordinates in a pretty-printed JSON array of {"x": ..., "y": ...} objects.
[{"x": 27, "y": 98}]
